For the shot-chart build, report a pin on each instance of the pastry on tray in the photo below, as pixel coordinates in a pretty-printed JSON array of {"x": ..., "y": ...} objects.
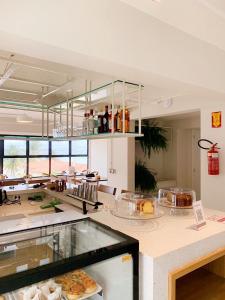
[
  {"x": 75, "y": 291},
  {"x": 76, "y": 283}
]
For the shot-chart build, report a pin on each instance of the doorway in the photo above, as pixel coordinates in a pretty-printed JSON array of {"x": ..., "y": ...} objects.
[{"x": 179, "y": 165}]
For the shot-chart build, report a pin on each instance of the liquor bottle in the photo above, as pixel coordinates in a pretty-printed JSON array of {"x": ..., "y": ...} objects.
[
  {"x": 100, "y": 123},
  {"x": 106, "y": 120},
  {"x": 95, "y": 122},
  {"x": 119, "y": 120},
  {"x": 84, "y": 124},
  {"x": 110, "y": 119},
  {"x": 116, "y": 119},
  {"x": 127, "y": 120},
  {"x": 91, "y": 122}
]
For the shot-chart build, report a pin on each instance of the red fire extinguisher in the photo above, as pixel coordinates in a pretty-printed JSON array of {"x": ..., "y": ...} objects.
[{"x": 213, "y": 157}]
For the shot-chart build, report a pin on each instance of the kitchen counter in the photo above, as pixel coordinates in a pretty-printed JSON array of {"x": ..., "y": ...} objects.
[{"x": 166, "y": 243}]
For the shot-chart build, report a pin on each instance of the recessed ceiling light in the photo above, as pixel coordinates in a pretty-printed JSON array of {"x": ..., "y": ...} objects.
[{"x": 23, "y": 119}]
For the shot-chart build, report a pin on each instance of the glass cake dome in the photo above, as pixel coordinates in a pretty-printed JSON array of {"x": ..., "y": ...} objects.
[
  {"x": 136, "y": 206},
  {"x": 175, "y": 197}
]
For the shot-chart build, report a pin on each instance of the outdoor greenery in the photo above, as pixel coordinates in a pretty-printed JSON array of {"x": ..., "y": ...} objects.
[{"x": 154, "y": 139}]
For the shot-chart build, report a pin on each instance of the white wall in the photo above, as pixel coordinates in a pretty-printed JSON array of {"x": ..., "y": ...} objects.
[
  {"x": 121, "y": 157},
  {"x": 213, "y": 187},
  {"x": 98, "y": 156}
]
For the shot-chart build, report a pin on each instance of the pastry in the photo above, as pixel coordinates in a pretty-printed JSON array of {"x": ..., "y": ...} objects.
[
  {"x": 76, "y": 290},
  {"x": 76, "y": 283},
  {"x": 89, "y": 285},
  {"x": 145, "y": 206},
  {"x": 2, "y": 297}
]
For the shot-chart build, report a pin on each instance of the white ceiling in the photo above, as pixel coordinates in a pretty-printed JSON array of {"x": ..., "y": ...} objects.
[
  {"x": 175, "y": 48},
  {"x": 32, "y": 79},
  {"x": 202, "y": 19}
]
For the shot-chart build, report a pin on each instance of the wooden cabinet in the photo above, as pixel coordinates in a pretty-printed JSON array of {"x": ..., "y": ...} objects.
[{"x": 202, "y": 279}]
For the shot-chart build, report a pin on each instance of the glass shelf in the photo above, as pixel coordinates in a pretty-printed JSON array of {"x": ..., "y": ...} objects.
[{"x": 70, "y": 138}]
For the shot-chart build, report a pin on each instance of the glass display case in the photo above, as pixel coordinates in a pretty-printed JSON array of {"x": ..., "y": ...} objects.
[
  {"x": 81, "y": 259},
  {"x": 136, "y": 206}
]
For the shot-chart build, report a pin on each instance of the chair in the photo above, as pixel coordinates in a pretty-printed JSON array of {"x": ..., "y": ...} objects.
[{"x": 107, "y": 189}]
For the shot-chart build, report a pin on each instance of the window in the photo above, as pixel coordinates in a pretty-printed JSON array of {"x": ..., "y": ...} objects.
[
  {"x": 79, "y": 147},
  {"x": 60, "y": 148},
  {"x": 14, "y": 148},
  {"x": 59, "y": 164},
  {"x": 19, "y": 158},
  {"x": 39, "y": 147},
  {"x": 79, "y": 163},
  {"x": 38, "y": 166},
  {"x": 14, "y": 167}
]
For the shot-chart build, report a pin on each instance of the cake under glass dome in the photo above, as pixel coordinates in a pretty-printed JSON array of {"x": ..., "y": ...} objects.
[
  {"x": 176, "y": 197},
  {"x": 136, "y": 206}
]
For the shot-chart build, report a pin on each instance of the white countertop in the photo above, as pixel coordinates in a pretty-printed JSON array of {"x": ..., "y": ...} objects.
[
  {"x": 157, "y": 237},
  {"x": 165, "y": 243},
  {"x": 160, "y": 236}
]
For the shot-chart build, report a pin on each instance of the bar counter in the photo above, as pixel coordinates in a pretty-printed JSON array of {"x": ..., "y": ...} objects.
[{"x": 166, "y": 244}]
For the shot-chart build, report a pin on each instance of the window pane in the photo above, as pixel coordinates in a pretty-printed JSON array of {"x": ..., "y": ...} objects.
[
  {"x": 59, "y": 164},
  {"x": 39, "y": 147},
  {"x": 39, "y": 166},
  {"x": 79, "y": 147},
  {"x": 79, "y": 163},
  {"x": 14, "y": 147},
  {"x": 14, "y": 167},
  {"x": 60, "y": 148}
]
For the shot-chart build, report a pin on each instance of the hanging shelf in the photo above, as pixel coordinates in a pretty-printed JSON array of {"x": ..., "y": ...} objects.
[{"x": 125, "y": 94}]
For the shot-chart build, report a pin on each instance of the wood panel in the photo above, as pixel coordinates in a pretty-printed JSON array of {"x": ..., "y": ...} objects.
[
  {"x": 190, "y": 267},
  {"x": 217, "y": 267},
  {"x": 200, "y": 285}
]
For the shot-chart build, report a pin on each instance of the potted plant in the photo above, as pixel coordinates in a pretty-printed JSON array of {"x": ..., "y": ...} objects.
[{"x": 154, "y": 139}]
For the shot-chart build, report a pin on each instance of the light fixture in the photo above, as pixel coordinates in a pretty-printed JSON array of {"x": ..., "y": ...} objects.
[{"x": 23, "y": 119}]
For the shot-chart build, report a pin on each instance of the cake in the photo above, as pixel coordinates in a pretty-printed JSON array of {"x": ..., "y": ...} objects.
[
  {"x": 180, "y": 199},
  {"x": 145, "y": 206}
]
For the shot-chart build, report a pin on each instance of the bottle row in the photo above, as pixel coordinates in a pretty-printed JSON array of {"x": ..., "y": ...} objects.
[{"x": 96, "y": 122}]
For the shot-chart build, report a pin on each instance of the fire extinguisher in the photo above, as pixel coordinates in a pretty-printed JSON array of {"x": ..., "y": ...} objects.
[{"x": 213, "y": 157}]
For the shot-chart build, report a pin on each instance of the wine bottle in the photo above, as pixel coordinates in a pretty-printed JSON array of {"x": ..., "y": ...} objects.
[{"x": 106, "y": 120}]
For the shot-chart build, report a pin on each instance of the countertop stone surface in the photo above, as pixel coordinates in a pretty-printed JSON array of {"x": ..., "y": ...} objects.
[{"x": 166, "y": 243}]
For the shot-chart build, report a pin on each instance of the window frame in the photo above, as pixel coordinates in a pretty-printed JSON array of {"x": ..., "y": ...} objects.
[{"x": 49, "y": 156}]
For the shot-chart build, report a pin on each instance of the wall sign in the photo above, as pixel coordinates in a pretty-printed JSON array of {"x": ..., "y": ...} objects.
[{"x": 216, "y": 119}]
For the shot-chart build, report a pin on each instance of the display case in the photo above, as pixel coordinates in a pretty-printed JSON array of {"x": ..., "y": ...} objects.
[
  {"x": 81, "y": 259},
  {"x": 136, "y": 206}
]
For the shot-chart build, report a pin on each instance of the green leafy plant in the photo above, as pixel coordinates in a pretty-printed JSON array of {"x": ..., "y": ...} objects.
[
  {"x": 144, "y": 179},
  {"x": 154, "y": 139}
]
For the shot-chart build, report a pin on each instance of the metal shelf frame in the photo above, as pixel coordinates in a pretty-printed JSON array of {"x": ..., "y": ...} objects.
[{"x": 84, "y": 102}]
